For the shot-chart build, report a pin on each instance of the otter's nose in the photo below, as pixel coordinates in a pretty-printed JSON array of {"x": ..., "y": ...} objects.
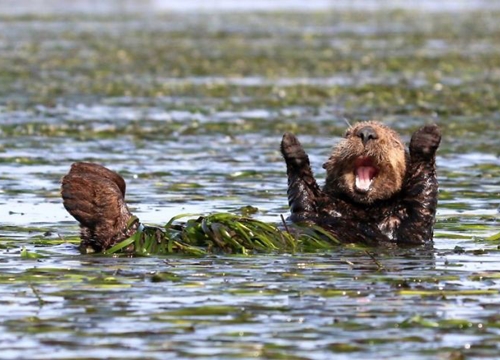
[{"x": 366, "y": 134}]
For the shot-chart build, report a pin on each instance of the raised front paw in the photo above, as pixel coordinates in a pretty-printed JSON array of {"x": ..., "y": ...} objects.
[
  {"x": 425, "y": 141},
  {"x": 292, "y": 151}
]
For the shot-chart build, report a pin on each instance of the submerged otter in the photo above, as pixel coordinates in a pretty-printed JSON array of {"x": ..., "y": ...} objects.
[{"x": 375, "y": 192}]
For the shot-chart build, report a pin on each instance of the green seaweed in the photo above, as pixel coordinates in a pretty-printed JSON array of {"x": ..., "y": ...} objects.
[{"x": 226, "y": 233}]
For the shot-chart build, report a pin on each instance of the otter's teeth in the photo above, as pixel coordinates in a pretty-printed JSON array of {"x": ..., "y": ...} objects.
[{"x": 364, "y": 177}]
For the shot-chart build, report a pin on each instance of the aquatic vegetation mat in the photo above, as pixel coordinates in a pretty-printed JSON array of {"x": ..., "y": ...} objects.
[{"x": 224, "y": 233}]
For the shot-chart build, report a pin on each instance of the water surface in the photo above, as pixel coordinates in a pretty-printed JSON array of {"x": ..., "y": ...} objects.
[{"x": 190, "y": 109}]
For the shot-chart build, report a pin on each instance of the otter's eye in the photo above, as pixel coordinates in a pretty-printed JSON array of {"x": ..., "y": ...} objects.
[{"x": 347, "y": 133}]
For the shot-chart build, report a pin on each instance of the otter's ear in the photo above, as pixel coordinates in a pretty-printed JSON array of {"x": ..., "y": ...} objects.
[{"x": 328, "y": 165}]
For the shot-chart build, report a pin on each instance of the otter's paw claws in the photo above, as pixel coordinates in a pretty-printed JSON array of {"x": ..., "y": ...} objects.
[
  {"x": 425, "y": 141},
  {"x": 292, "y": 151}
]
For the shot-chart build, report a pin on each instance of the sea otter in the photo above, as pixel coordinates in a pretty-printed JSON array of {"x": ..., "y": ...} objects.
[{"x": 375, "y": 192}]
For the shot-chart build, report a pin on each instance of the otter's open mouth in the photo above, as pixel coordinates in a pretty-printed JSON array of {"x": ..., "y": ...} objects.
[{"x": 365, "y": 172}]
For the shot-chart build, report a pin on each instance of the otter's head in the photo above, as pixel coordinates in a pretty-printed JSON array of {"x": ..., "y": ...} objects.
[{"x": 369, "y": 164}]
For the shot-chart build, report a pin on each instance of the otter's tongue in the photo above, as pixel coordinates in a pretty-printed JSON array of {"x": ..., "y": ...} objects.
[{"x": 364, "y": 176}]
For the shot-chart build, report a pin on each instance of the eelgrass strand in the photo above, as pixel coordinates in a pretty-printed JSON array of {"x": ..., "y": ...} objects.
[{"x": 223, "y": 233}]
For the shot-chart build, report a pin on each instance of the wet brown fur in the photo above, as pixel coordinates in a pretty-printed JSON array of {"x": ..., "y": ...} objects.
[
  {"x": 388, "y": 155},
  {"x": 401, "y": 203},
  {"x": 95, "y": 197}
]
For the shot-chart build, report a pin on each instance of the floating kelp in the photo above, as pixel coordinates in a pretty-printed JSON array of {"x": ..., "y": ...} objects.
[
  {"x": 223, "y": 233},
  {"x": 495, "y": 237}
]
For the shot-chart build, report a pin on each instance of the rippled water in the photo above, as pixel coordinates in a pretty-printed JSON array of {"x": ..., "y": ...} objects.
[{"x": 190, "y": 109}]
